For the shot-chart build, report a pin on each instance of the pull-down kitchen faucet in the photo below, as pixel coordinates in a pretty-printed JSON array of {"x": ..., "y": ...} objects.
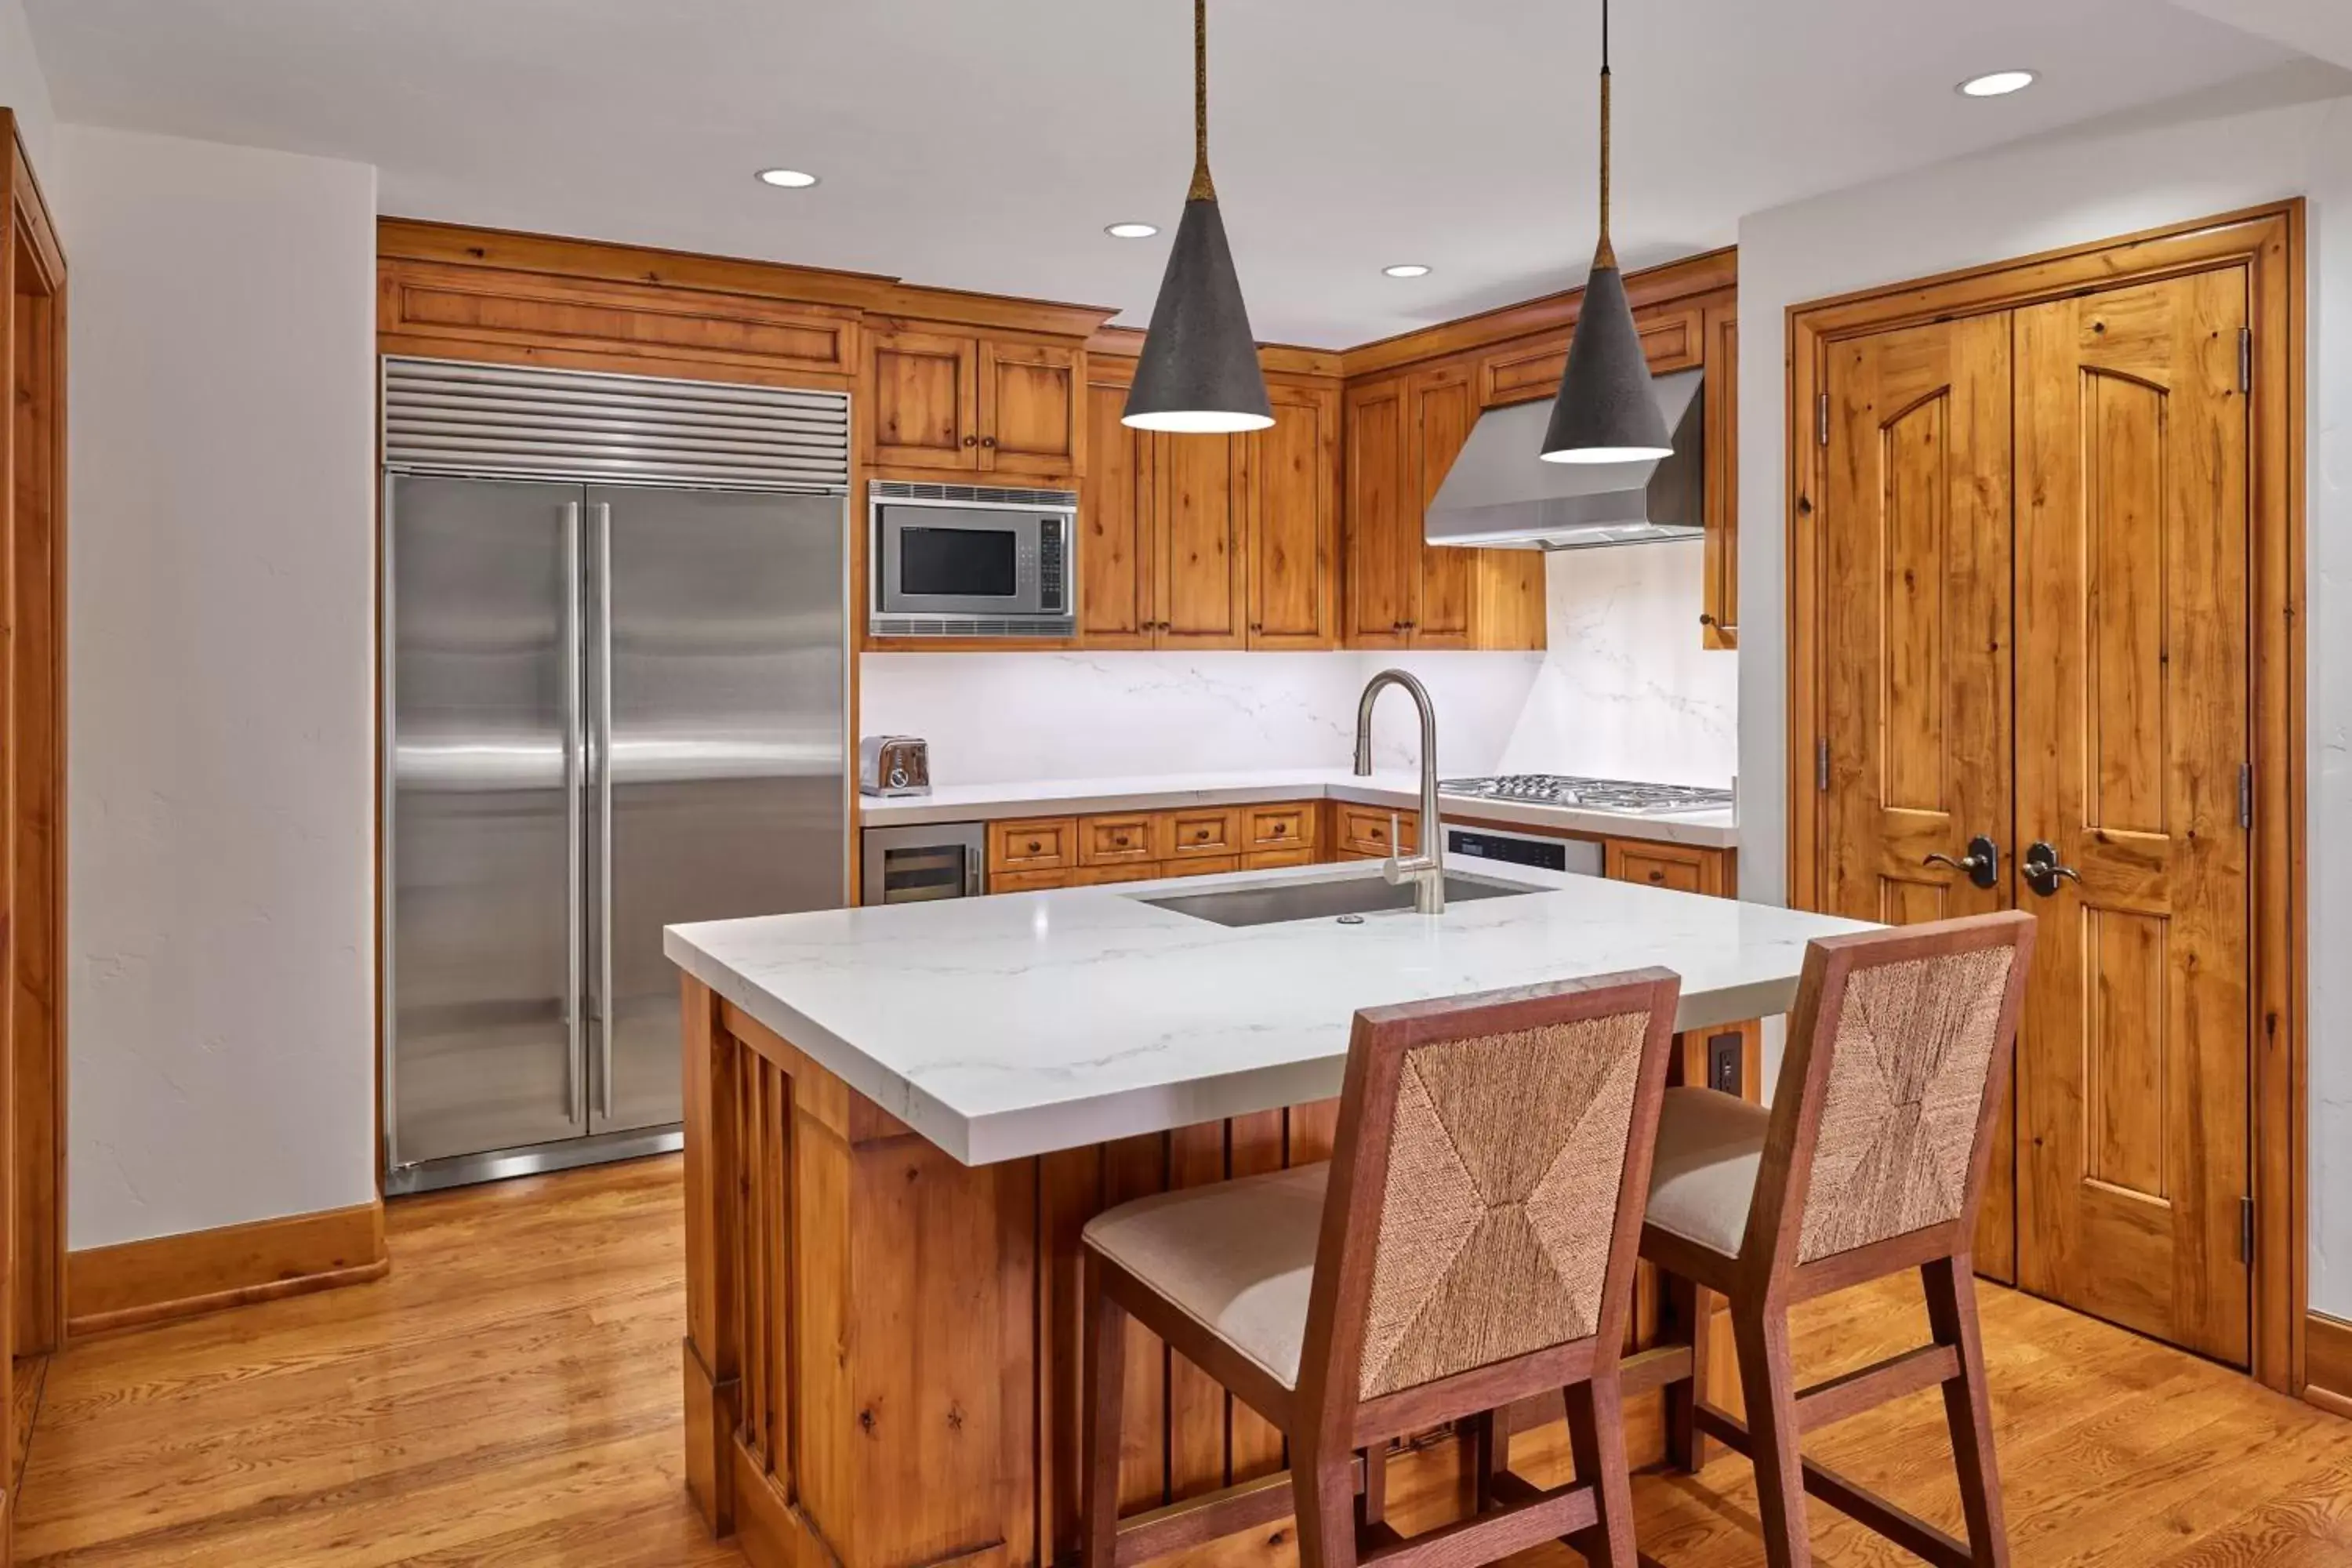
[{"x": 1426, "y": 870}]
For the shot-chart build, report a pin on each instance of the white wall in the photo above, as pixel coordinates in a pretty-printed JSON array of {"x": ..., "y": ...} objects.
[
  {"x": 2199, "y": 159},
  {"x": 220, "y": 774},
  {"x": 26, "y": 90},
  {"x": 1625, "y": 691}
]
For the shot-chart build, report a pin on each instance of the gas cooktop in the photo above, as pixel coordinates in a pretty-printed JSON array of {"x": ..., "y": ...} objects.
[{"x": 1600, "y": 794}]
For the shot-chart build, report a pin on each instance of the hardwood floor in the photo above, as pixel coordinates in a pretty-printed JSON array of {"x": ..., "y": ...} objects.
[{"x": 509, "y": 1397}]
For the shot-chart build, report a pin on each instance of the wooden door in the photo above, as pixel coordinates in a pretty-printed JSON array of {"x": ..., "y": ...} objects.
[
  {"x": 1116, "y": 606},
  {"x": 1441, "y": 408},
  {"x": 1916, "y": 550},
  {"x": 1291, "y": 522},
  {"x": 1378, "y": 571},
  {"x": 1031, "y": 421},
  {"x": 2132, "y": 725},
  {"x": 1201, "y": 528},
  {"x": 926, "y": 400}
]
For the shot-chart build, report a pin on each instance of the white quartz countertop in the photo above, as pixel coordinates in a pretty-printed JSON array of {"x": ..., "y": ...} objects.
[
  {"x": 1014, "y": 1025},
  {"x": 1399, "y": 791}
]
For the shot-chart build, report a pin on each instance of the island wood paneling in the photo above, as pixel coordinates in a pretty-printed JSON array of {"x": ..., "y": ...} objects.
[{"x": 881, "y": 1365}]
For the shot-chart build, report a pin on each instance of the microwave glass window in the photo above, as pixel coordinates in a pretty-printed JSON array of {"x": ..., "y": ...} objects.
[{"x": 965, "y": 562}]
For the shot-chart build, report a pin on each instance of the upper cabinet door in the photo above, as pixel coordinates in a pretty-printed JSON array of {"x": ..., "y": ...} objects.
[
  {"x": 1719, "y": 583},
  {"x": 1441, "y": 411},
  {"x": 1116, "y": 601},
  {"x": 1294, "y": 470},
  {"x": 1379, "y": 574},
  {"x": 1202, "y": 530},
  {"x": 926, "y": 400},
  {"x": 1030, "y": 420}
]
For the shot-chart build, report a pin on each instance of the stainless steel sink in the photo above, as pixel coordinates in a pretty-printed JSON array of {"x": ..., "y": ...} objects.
[{"x": 1321, "y": 900}]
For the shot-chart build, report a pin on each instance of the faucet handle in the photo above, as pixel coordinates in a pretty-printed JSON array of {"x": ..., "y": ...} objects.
[{"x": 1396, "y": 834}]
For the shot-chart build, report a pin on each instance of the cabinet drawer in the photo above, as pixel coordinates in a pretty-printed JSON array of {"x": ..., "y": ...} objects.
[
  {"x": 1684, "y": 870},
  {"x": 1198, "y": 866},
  {"x": 1268, "y": 859},
  {"x": 1036, "y": 844},
  {"x": 1201, "y": 830},
  {"x": 1123, "y": 839},
  {"x": 1117, "y": 871},
  {"x": 1365, "y": 830},
  {"x": 1028, "y": 881},
  {"x": 1285, "y": 826}
]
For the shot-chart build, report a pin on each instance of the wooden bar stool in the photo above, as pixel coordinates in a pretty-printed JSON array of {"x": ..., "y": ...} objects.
[
  {"x": 1869, "y": 1162},
  {"x": 1471, "y": 1242}
]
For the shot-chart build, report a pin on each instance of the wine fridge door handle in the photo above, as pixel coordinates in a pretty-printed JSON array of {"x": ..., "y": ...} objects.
[
  {"x": 574, "y": 654},
  {"x": 607, "y": 1007}
]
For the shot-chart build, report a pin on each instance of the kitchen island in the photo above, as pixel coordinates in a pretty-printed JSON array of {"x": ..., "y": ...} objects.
[{"x": 898, "y": 1119}]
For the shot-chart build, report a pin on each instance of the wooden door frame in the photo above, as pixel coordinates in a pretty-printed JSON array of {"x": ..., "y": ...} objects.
[{"x": 2268, "y": 241}]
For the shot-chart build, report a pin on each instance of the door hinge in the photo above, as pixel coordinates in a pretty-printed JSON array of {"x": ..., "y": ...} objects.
[
  {"x": 1821, "y": 419},
  {"x": 2246, "y": 1230},
  {"x": 2245, "y": 359},
  {"x": 2245, "y": 794},
  {"x": 1821, "y": 764}
]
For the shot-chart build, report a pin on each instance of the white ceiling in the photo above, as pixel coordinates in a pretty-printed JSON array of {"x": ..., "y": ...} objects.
[{"x": 983, "y": 144}]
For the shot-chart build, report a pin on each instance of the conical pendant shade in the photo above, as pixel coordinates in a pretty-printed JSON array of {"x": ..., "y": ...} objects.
[
  {"x": 1199, "y": 372},
  {"x": 1606, "y": 412}
]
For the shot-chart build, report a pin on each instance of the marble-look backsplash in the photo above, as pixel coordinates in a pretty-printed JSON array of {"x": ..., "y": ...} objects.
[{"x": 1623, "y": 692}]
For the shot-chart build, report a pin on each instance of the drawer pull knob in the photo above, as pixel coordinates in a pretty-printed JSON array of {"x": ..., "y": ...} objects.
[
  {"x": 1657, "y": 875},
  {"x": 1032, "y": 846},
  {"x": 1280, "y": 830}
]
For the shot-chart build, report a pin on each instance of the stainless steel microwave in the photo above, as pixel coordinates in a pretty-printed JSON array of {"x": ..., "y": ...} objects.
[{"x": 966, "y": 560}]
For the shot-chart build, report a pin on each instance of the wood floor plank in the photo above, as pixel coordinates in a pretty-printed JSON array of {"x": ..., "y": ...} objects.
[{"x": 508, "y": 1398}]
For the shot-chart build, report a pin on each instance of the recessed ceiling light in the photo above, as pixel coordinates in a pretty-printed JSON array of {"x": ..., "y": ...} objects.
[
  {"x": 1405, "y": 270},
  {"x": 1132, "y": 230},
  {"x": 790, "y": 179},
  {"x": 1997, "y": 84}
]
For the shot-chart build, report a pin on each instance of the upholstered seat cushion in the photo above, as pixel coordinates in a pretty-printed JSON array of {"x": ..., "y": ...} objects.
[
  {"x": 1235, "y": 1257},
  {"x": 1702, "y": 1178}
]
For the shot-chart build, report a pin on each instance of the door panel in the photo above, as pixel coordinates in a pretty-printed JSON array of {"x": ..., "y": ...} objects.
[
  {"x": 1291, "y": 522},
  {"x": 483, "y": 816},
  {"x": 1116, "y": 606},
  {"x": 1378, "y": 583},
  {"x": 1442, "y": 412},
  {"x": 726, "y": 757},
  {"x": 1031, "y": 421},
  {"x": 1915, "y": 538},
  {"x": 1202, "y": 571},
  {"x": 2132, "y": 576}
]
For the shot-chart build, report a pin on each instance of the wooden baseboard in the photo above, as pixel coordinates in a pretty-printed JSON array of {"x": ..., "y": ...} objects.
[
  {"x": 168, "y": 1277},
  {"x": 2327, "y": 1363}
]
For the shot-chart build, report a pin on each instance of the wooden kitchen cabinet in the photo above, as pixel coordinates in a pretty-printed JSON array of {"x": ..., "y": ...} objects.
[
  {"x": 1403, "y": 434},
  {"x": 952, "y": 401},
  {"x": 1363, "y": 832},
  {"x": 1116, "y": 840},
  {"x": 1208, "y": 542},
  {"x": 1291, "y": 826},
  {"x": 1194, "y": 831},
  {"x": 1681, "y": 867},
  {"x": 1032, "y": 843}
]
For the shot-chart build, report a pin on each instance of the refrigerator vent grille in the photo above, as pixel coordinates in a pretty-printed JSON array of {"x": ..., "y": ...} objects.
[
  {"x": 446, "y": 416},
  {"x": 901, "y": 489}
]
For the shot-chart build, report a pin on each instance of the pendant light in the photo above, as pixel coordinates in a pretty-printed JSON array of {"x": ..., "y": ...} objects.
[
  {"x": 1606, "y": 412},
  {"x": 1199, "y": 372}
]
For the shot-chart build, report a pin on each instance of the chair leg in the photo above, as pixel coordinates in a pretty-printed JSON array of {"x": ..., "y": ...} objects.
[
  {"x": 1967, "y": 1407},
  {"x": 1596, "y": 1435},
  {"x": 1105, "y": 1393},
  {"x": 1323, "y": 1488},
  {"x": 1767, "y": 1379},
  {"x": 1693, "y": 1307}
]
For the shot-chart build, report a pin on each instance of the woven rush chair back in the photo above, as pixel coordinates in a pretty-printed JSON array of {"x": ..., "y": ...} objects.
[
  {"x": 1486, "y": 1191},
  {"x": 1898, "y": 1054}
]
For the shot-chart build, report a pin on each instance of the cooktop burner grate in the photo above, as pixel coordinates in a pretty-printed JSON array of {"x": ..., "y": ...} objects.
[{"x": 1603, "y": 794}]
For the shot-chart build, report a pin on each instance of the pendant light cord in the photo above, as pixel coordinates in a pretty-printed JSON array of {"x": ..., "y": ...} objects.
[
  {"x": 1605, "y": 254},
  {"x": 1201, "y": 189}
]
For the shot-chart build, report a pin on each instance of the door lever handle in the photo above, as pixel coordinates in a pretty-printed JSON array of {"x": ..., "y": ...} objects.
[
  {"x": 1982, "y": 863},
  {"x": 2043, "y": 872}
]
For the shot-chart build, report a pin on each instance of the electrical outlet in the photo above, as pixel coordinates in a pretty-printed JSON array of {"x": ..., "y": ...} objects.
[{"x": 1723, "y": 1063}]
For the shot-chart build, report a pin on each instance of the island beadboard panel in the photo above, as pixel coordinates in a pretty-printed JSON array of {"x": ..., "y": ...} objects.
[{"x": 882, "y": 1362}]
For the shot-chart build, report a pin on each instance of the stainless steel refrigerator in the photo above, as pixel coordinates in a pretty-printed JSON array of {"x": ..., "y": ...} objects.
[{"x": 612, "y": 707}]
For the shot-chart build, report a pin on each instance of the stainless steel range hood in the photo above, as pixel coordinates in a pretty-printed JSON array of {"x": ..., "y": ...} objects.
[{"x": 1498, "y": 492}]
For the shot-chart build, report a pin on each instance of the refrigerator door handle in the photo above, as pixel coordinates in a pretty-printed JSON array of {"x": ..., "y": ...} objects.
[
  {"x": 573, "y": 653},
  {"x": 606, "y": 998}
]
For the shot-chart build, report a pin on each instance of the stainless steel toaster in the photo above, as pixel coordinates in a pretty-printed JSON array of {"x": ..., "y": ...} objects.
[{"x": 893, "y": 765}]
